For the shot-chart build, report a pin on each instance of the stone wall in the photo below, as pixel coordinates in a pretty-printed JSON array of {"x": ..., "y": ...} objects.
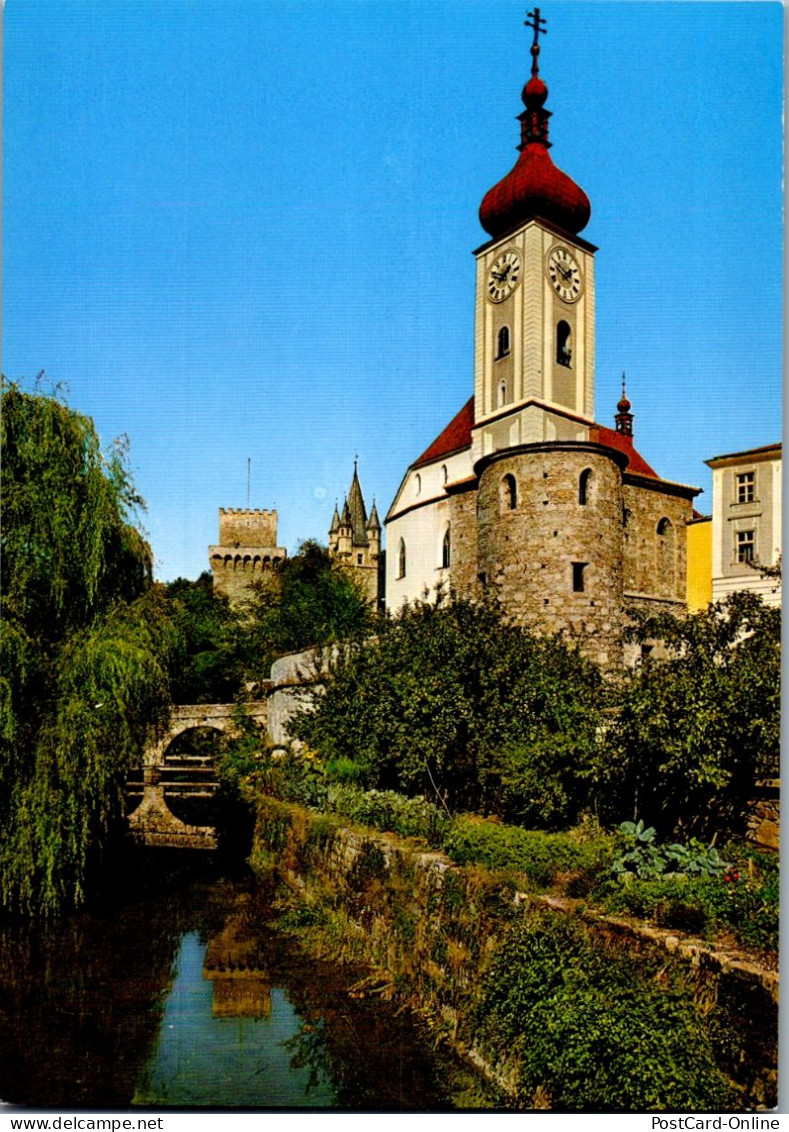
[
  {"x": 554, "y": 561},
  {"x": 434, "y": 927},
  {"x": 247, "y": 527},
  {"x": 463, "y": 528},
  {"x": 655, "y": 544}
]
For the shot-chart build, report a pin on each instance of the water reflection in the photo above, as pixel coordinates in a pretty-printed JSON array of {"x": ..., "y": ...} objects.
[
  {"x": 223, "y": 1042},
  {"x": 183, "y": 998}
]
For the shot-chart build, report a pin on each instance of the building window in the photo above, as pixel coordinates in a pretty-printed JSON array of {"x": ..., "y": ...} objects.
[
  {"x": 359, "y": 559},
  {"x": 444, "y": 474},
  {"x": 502, "y": 394},
  {"x": 401, "y": 560},
  {"x": 418, "y": 483},
  {"x": 745, "y": 546},
  {"x": 446, "y": 549},
  {"x": 583, "y": 486},
  {"x": 578, "y": 577},
  {"x": 502, "y": 342},
  {"x": 564, "y": 344},
  {"x": 508, "y": 494},
  {"x": 745, "y": 487}
]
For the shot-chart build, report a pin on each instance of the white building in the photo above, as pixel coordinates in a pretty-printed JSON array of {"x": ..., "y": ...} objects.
[{"x": 746, "y": 521}]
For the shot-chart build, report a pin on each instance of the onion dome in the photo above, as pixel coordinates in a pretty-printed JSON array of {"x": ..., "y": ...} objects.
[
  {"x": 624, "y": 418},
  {"x": 534, "y": 187}
]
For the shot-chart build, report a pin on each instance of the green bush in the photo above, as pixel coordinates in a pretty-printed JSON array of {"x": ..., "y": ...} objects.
[
  {"x": 536, "y": 855},
  {"x": 386, "y": 810},
  {"x": 451, "y": 702},
  {"x": 581, "y": 1028}
]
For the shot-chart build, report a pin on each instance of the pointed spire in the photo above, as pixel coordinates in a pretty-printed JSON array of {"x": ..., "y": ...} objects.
[
  {"x": 346, "y": 514},
  {"x": 357, "y": 509},
  {"x": 374, "y": 523},
  {"x": 624, "y": 418},
  {"x": 335, "y": 522}
]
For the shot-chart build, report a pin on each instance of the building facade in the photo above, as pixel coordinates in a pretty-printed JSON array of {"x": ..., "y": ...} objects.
[
  {"x": 247, "y": 551},
  {"x": 524, "y": 495},
  {"x": 746, "y": 522}
]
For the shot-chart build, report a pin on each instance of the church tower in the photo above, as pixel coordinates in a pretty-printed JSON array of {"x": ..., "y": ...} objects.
[
  {"x": 524, "y": 496},
  {"x": 534, "y": 359}
]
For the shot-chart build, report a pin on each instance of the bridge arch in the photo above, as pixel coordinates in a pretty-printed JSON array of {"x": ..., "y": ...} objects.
[{"x": 152, "y": 821}]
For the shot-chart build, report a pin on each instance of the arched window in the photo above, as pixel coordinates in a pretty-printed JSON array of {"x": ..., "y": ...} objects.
[
  {"x": 401, "y": 560},
  {"x": 664, "y": 528},
  {"x": 508, "y": 494},
  {"x": 564, "y": 344},
  {"x": 502, "y": 393},
  {"x": 584, "y": 482},
  {"x": 418, "y": 483},
  {"x": 579, "y": 581},
  {"x": 446, "y": 549},
  {"x": 444, "y": 473},
  {"x": 502, "y": 342}
]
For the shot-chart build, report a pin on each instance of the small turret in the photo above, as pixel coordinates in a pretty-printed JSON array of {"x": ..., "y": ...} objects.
[
  {"x": 624, "y": 418},
  {"x": 345, "y": 533},
  {"x": 374, "y": 531}
]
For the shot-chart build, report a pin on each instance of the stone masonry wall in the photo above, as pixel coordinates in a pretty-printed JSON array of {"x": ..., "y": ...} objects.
[
  {"x": 527, "y": 553},
  {"x": 463, "y": 527},
  {"x": 435, "y": 926},
  {"x": 655, "y": 564},
  {"x": 247, "y": 528}
]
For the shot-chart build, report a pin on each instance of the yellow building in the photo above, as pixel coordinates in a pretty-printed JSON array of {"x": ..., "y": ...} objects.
[{"x": 699, "y": 592}]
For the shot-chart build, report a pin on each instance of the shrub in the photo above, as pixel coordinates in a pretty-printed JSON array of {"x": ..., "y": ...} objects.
[
  {"x": 586, "y": 1029},
  {"x": 744, "y": 900},
  {"x": 538, "y": 856},
  {"x": 451, "y": 702}
]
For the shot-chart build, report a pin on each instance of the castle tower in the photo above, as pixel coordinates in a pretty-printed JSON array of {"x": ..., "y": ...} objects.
[
  {"x": 355, "y": 540},
  {"x": 247, "y": 551}
]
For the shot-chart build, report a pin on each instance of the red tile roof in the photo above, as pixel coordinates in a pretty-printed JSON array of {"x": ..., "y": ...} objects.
[
  {"x": 456, "y": 436},
  {"x": 612, "y": 439}
]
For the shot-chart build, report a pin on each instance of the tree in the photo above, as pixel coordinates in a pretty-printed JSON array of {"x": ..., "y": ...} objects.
[
  {"x": 207, "y": 666},
  {"x": 313, "y": 602},
  {"x": 451, "y": 701},
  {"x": 698, "y": 727},
  {"x": 84, "y": 647}
]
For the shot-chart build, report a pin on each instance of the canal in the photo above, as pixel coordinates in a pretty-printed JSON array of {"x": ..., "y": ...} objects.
[{"x": 177, "y": 995}]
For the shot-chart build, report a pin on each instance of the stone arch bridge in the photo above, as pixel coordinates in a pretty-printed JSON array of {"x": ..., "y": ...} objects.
[{"x": 169, "y": 776}]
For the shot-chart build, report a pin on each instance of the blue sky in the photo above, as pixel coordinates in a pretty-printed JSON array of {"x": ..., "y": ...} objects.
[{"x": 241, "y": 229}]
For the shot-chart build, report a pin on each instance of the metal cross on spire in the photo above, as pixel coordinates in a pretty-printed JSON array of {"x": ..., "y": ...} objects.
[{"x": 537, "y": 22}]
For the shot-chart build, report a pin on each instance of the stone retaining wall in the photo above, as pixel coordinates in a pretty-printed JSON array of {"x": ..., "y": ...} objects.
[{"x": 434, "y": 926}]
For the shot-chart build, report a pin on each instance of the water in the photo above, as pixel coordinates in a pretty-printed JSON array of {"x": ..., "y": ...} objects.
[{"x": 179, "y": 996}]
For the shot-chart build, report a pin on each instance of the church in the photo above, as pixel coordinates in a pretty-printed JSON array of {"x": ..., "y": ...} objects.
[{"x": 524, "y": 495}]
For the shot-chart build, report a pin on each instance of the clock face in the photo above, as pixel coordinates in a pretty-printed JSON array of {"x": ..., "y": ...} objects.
[
  {"x": 504, "y": 276},
  {"x": 564, "y": 274}
]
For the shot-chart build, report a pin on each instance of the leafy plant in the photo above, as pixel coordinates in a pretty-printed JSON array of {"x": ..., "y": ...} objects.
[
  {"x": 578, "y": 1027},
  {"x": 697, "y": 727},
  {"x": 646, "y": 858},
  {"x": 451, "y": 702},
  {"x": 86, "y": 646}
]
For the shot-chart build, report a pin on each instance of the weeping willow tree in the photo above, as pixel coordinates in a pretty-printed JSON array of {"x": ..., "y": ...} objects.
[{"x": 84, "y": 645}]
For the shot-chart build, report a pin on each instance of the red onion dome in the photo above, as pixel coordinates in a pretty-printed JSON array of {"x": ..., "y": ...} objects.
[
  {"x": 535, "y": 187},
  {"x": 623, "y": 406}
]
